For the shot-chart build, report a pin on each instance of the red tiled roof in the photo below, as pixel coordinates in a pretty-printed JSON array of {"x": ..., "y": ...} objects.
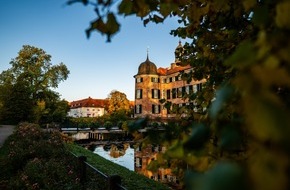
[
  {"x": 165, "y": 71},
  {"x": 89, "y": 102},
  {"x": 161, "y": 71}
]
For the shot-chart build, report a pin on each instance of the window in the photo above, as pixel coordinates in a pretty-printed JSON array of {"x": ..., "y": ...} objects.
[
  {"x": 154, "y": 79},
  {"x": 88, "y": 109},
  {"x": 155, "y": 93},
  {"x": 176, "y": 78},
  {"x": 194, "y": 88},
  {"x": 188, "y": 89},
  {"x": 164, "y": 80},
  {"x": 155, "y": 108},
  {"x": 163, "y": 94},
  {"x": 199, "y": 87},
  {"x": 138, "y": 109},
  {"x": 139, "y": 94},
  {"x": 183, "y": 91},
  {"x": 170, "y": 79},
  {"x": 138, "y": 162},
  {"x": 179, "y": 92},
  {"x": 173, "y": 93},
  {"x": 168, "y": 94},
  {"x": 139, "y": 79}
]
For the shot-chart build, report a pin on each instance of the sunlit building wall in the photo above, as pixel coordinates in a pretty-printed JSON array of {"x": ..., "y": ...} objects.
[
  {"x": 88, "y": 107},
  {"x": 152, "y": 84}
]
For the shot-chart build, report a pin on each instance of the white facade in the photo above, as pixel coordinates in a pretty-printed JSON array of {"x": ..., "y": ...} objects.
[
  {"x": 86, "y": 112},
  {"x": 88, "y": 107}
]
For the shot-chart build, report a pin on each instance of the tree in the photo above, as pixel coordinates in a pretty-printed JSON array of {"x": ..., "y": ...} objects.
[
  {"x": 34, "y": 66},
  {"x": 28, "y": 83},
  {"x": 118, "y": 102},
  {"x": 242, "y": 49},
  {"x": 17, "y": 105},
  {"x": 55, "y": 109}
]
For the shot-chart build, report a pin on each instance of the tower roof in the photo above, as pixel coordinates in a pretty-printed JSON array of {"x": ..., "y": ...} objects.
[
  {"x": 147, "y": 67},
  {"x": 178, "y": 51}
]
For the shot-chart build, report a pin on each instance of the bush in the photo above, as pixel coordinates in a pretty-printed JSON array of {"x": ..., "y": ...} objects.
[
  {"x": 33, "y": 159},
  {"x": 108, "y": 125}
]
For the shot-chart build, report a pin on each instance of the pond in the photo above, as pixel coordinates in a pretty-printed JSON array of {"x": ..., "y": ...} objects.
[{"x": 121, "y": 154}]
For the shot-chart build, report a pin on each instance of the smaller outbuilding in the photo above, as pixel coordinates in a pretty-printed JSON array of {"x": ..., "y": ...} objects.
[{"x": 88, "y": 107}]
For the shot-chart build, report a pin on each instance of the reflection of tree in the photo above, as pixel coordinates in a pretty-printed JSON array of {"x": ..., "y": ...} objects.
[
  {"x": 126, "y": 146},
  {"x": 117, "y": 151}
]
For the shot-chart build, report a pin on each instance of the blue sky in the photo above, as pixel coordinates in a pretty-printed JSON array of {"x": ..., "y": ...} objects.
[{"x": 96, "y": 67}]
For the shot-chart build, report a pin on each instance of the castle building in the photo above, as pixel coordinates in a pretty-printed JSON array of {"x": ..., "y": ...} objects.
[{"x": 152, "y": 85}]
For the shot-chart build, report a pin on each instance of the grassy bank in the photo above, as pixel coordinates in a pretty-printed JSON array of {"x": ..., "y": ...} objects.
[{"x": 130, "y": 180}]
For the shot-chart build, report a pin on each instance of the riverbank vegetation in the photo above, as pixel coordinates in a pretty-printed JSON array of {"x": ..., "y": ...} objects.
[{"x": 32, "y": 158}]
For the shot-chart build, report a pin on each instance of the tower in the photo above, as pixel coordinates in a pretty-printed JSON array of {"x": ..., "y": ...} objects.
[{"x": 147, "y": 90}]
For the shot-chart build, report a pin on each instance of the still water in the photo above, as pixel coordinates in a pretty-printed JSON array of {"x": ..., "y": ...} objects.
[{"x": 123, "y": 155}]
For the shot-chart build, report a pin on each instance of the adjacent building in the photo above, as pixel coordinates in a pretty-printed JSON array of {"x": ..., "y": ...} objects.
[
  {"x": 152, "y": 85},
  {"x": 88, "y": 107}
]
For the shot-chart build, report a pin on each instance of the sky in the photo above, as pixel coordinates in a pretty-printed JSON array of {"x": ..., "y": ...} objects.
[{"x": 96, "y": 66}]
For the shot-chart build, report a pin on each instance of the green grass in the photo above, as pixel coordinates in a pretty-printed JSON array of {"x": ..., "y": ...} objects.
[{"x": 131, "y": 180}]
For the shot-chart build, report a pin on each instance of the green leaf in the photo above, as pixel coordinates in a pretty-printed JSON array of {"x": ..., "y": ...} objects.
[
  {"x": 112, "y": 25},
  {"x": 283, "y": 14},
  {"x": 244, "y": 55},
  {"x": 200, "y": 134},
  {"x": 157, "y": 19},
  {"x": 153, "y": 166},
  {"x": 125, "y": 7},
  {"x": 223, "y": 175},
  {"x": 267, "y": 120},
  {"x": 138, "y": 124},
  {"x": 176, "y": 151},
  {"x": 222, "y": 96},
  {"x": 230, "y": 138},
  {"x": 261, "y": 16},
  {"x": 249, "y": 4}
]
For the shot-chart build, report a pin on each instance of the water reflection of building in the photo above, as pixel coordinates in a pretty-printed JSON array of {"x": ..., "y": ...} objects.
[{"x": 144, "y": 156}]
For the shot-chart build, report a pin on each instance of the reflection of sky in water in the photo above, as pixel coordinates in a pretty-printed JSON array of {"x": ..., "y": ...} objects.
[{"x": 127, "y": 160}]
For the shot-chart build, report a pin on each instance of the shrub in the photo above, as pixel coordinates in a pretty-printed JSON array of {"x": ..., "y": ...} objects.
[
  {"x": 108, "y": 125},
  {"x": 34, "y": 159}
]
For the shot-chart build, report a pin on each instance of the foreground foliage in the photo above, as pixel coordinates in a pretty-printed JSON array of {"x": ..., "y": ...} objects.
[
  {"x": 241, "y": 138},
  {"x": 33, "y": 159}
]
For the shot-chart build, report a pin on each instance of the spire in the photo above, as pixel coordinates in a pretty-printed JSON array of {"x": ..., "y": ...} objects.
[{"x": 147, "y": 53}]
